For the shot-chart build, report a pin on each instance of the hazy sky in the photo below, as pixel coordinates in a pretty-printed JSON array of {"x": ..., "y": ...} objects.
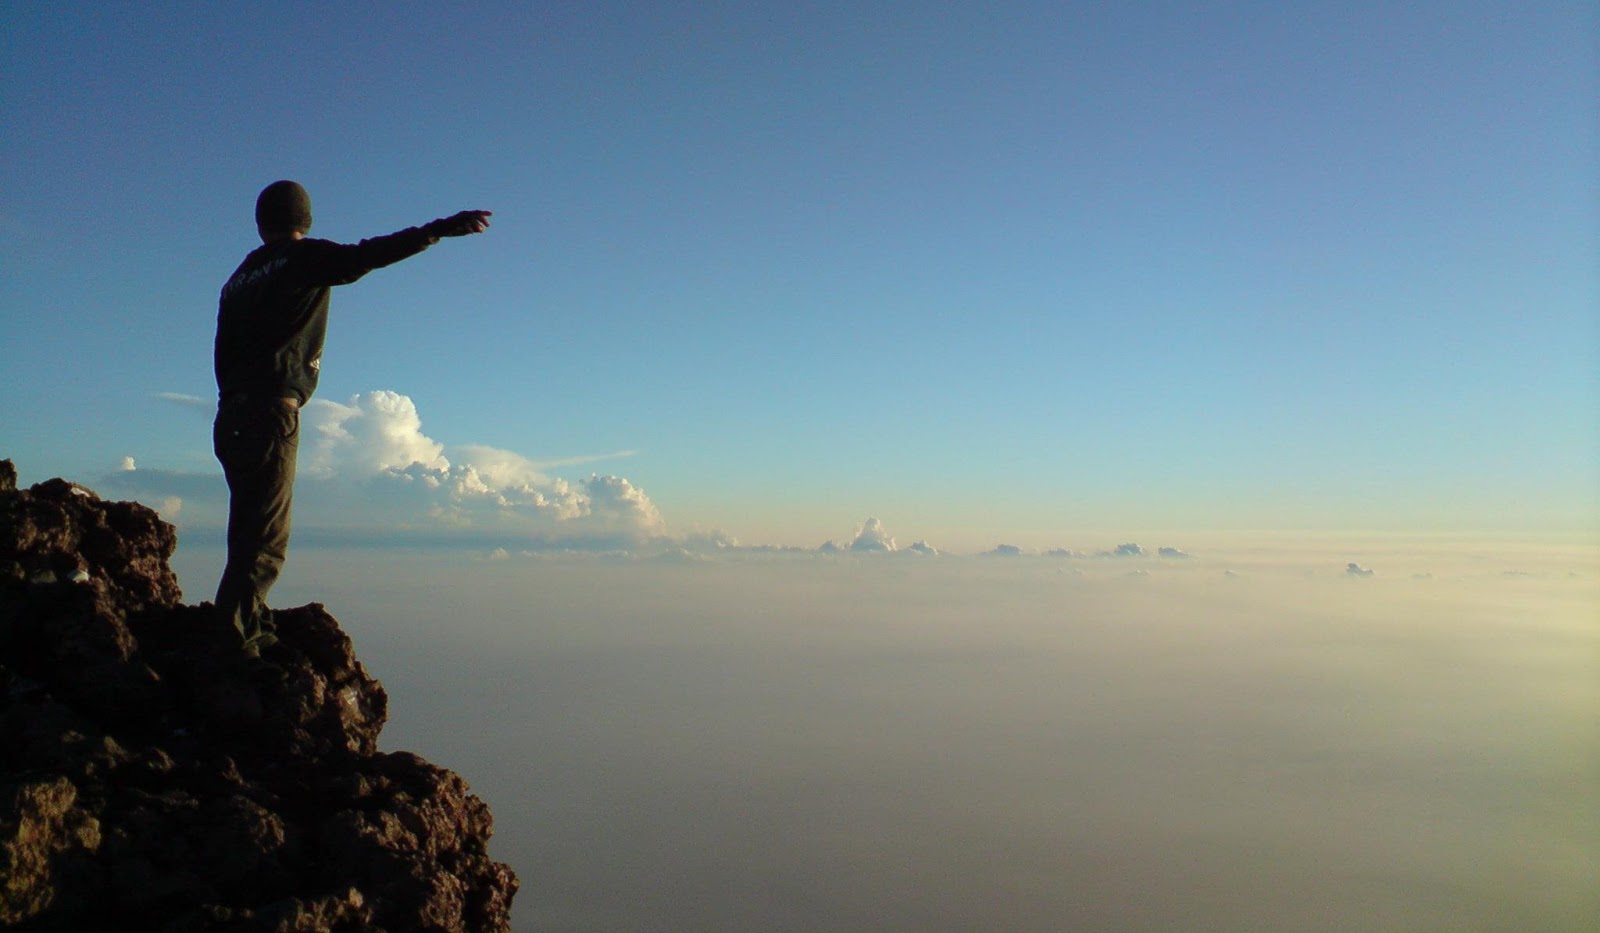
[{"x": 993, "y": 273}]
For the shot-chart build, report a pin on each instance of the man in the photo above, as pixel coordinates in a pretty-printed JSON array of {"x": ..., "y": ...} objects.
[{"x": 271, "y": 322}]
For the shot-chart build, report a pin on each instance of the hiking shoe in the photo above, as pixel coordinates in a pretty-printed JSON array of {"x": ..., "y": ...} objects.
[
  {"x": 265, "y": 673},
  {"x": 254, "y": 644}
]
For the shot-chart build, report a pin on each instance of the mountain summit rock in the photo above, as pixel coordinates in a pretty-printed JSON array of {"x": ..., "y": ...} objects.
[{"x": 153, "y": 777}]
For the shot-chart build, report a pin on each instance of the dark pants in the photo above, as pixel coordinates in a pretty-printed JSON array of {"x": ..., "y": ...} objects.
[{"x": 256, "y": 440}]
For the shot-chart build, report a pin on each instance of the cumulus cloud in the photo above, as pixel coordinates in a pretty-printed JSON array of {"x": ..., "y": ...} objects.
[
  {"x": 375, "y": 432},
  {"x": 872, "y": 537},
  {"x": 1172, "y": 552},
  {"x": 828, "y": 547},
  {"x": 368, "y": 464},
  {"x": 1356, "y": 570},
  {"x": 1124, "y": 550},
  {"x": 1062, "y": 552},
  {"x": 496, "y": 467},
  {"x": 618, "y": 501},
  {"x": 923, "y": 548},
  {"x": 1005, "y": 550}
]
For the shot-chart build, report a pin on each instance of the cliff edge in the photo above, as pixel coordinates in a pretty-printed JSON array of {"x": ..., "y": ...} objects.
[{"x": 152, "y": 777}]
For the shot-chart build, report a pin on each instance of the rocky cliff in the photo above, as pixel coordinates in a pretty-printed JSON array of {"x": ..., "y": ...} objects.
[{"x": 152, "y": 777}]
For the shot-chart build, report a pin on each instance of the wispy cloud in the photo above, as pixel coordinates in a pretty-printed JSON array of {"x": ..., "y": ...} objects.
[
  {"x": 187, "y": 401},
  {"x": 551, "y": 463}
]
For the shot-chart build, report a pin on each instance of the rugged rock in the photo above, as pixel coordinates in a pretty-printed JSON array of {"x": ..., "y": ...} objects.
[{"x": 153, "y": 777}]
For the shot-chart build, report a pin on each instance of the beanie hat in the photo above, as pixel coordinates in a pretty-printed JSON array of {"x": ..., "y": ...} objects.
[{"x": 283, "y": 206}]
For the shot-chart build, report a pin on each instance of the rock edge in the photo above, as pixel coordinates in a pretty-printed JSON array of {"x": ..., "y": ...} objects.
[{"x": 155, "y": 778}]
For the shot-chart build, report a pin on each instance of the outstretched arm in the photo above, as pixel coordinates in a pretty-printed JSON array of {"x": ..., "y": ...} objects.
[
  {"x": 338, "y": 264},
  {"x": 463, "y": 224}
]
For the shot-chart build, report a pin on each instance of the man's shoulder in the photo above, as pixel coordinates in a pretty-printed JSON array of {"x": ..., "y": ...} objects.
[
  {"x": 306, "y": 245},
  {"x": 265, "y": 264},
  {"x": 312, "y": 248},
  {"x": 296, "y": 254}
]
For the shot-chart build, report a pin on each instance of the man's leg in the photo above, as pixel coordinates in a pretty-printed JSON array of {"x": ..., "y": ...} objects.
[{"x": 257, "y": 444}]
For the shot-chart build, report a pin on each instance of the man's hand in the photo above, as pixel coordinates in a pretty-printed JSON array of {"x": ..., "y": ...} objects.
[{"x": 462, "y": 224}]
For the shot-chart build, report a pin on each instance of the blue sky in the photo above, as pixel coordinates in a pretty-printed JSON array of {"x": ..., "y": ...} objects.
[{"x": 986, "y": 274}]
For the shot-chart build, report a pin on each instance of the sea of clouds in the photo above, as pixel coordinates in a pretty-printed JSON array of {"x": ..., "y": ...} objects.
[
  {"x": 678, "y": 731},
  {"x": 1247, "y": 738}
]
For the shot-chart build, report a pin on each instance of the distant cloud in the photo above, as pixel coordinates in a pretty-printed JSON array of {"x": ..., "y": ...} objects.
[
  {"x": 924, "y": 548},
  {"x": 1171, "y": 552},
  {"x": 828, "y": 547},
  {"x": 1005, "y": 550},
  {"x": 368, "y": 464},
  {"x": 711, "y": 541},
  {"x": 154, "y": 485},
  {"x": 496, "y": 467},
  {"x": 375, "y": 432},
  {"x": 1062, "y": 552},
  {"x": 618, "y": 501},
  {"x": 376, "y": 441},
  {"x": 676, "y": 554},
  {"x": 1124, "y": 550},
  {"x": 872, "y": 537},
  {"x": 169, "y": 492},
  {"x": 187, "y": 401},
  {"x": 1356, "y": 570},
  {"x": 580, "y": 459}
]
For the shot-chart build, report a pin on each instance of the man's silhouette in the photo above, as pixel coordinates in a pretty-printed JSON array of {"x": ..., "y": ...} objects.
[{"x": 271, "y": 322}]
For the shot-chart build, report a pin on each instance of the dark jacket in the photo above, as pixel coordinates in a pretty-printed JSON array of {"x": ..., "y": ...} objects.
[{"x": 273, "y": 314}]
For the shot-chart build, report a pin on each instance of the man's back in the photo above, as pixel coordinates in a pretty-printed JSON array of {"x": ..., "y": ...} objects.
[{"x": 272, "y": 318}]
